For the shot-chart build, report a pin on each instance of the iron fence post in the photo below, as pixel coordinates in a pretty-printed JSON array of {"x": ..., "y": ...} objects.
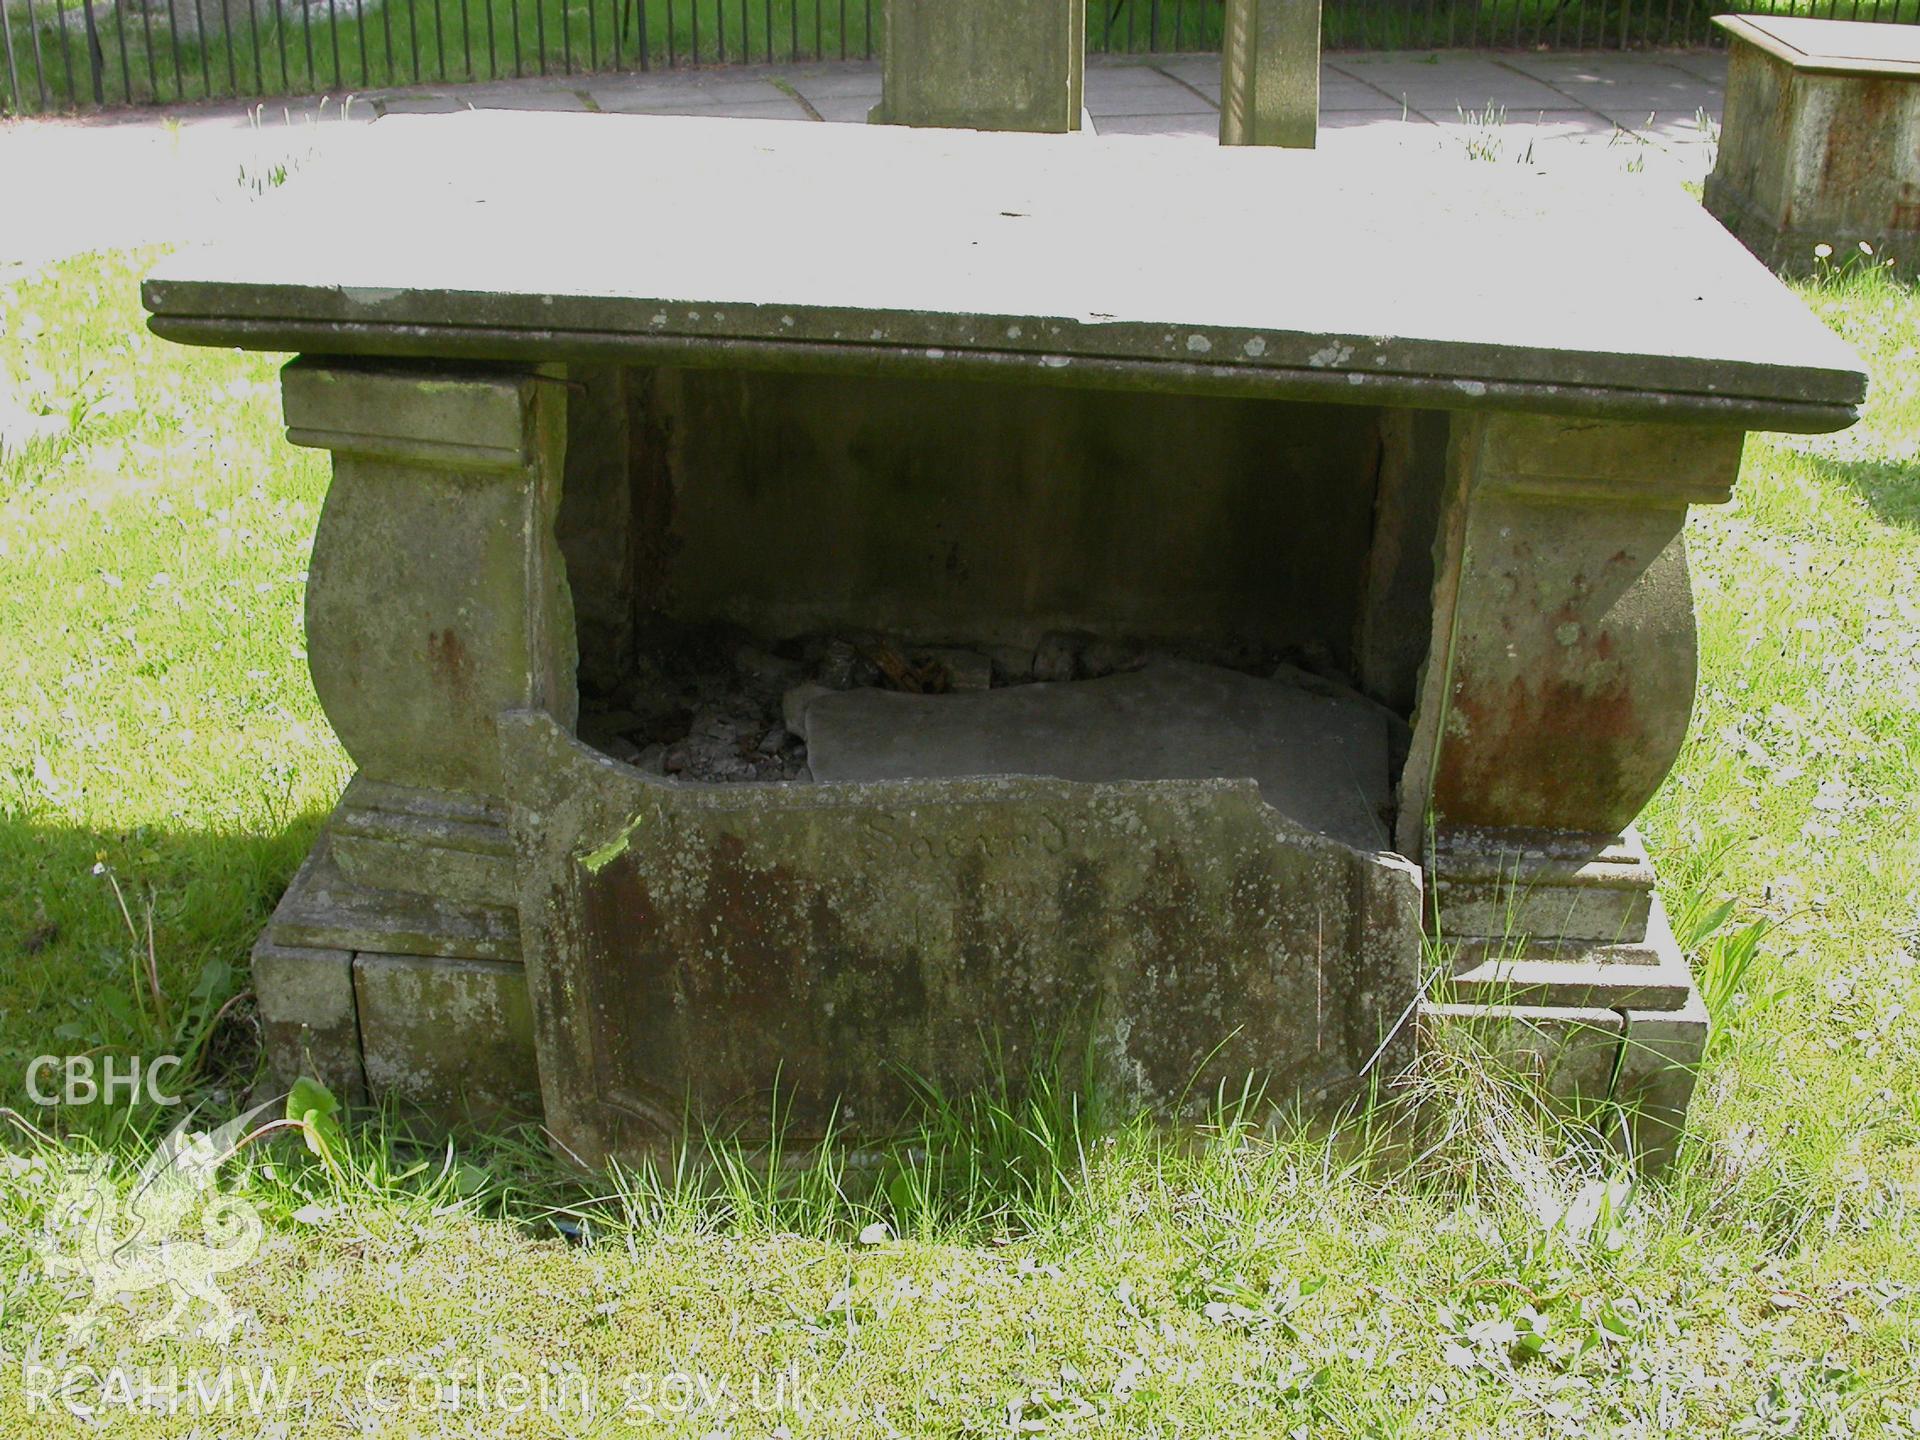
[
  {"x": 226, "y": 33},
  {"x": 18, "y": 100},
  {"x": 126, "y": 73}
]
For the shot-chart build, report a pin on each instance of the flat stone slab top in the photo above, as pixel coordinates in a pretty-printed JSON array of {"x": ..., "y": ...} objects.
[
  {"x": 1120, "y": 262},
  {"x": 1319, "y": 760},
  {"x": 1831, "y": 47}
]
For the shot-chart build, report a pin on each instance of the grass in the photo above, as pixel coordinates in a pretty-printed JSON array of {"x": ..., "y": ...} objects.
[
  {"x": 247, "y": 50},
  {"x": 1030, "y": 1264}
]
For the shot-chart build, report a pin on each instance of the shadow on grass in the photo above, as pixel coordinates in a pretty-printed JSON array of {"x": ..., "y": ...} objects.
[
  {"x": 1890, "y": 488},
  {"x": 1025, "y": 1153},
  {"x": 131, "y": 943}
]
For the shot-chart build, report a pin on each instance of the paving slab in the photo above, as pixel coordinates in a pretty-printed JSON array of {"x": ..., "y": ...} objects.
[
  {"x": 548, "y": 97},
  {"x": 171, "y": 173},
  {"x": 1148, "y": 64},
  {"x": 844, "y": 109},
  {"x": 429, "y": 104},
  {"x": 1199, "y": 124},
  {"x": 1153, "y": 94},
  {"x": 1676, "y": 100},
  {"x": 1587, "y": 68},
  {"x": 1343, "y": 92},
  {"x": 1204, "y": 90},
  {"x": 1191, "y": 68},
  {"x": 1207, "y": 90},
  {"x": 853, "y": 77},
  {"x": 777, "y": 107},
  {"x": 1471, "y": 82},
  {"x": 664, "y": 92},
  {"x": 1395, "y": 125},
  {"x": 1682, "y": 126},
  {"x": 1707, "y": 64}
]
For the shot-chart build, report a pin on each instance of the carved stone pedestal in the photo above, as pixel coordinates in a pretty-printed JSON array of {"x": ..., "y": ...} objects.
[
  {"x": 984, "y": 64},
  {"x": 436, "y": 600},
  {"x": 1270, "y": 73}
]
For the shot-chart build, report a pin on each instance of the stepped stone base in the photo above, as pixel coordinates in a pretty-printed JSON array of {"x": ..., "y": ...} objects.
[
  {"x": 387, "y": 993},
  {"x": 391, "y": 994},
  {"x": 1605, "y": 1011}
]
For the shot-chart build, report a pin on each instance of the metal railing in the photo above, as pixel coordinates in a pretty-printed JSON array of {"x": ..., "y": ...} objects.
[{"x": 73, "y": 54}]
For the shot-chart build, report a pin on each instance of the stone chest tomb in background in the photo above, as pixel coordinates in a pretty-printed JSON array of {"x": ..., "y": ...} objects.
[{"x": 1820, "y": 143}]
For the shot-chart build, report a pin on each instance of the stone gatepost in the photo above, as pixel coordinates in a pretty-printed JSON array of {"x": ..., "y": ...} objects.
[
  {"x": 984, "y": 64},
  {"x": 436, "y": 600},
  {"x": 1270, "y": 73}
]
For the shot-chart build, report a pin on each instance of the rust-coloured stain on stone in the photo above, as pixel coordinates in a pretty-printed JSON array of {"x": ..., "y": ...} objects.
[
  {"x": 451, "y": 663},
  {"x": 1552, "y": 742},
  {"x": 1849, "y": 161},
  {"x": 758, "y": 964}
]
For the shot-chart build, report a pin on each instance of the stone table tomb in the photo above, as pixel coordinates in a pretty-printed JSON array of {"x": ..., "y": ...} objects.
[{"x": 847, "y": 603}]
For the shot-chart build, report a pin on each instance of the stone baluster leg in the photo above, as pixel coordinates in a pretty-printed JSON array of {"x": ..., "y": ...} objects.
[
  {"x": 436, "y": 599},
  {"x": 1556, "y": 696}
]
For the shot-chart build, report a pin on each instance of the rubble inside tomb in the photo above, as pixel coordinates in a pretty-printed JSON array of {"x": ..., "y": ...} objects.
[
  {"x": 719, "y": 707},
  {"x": 715, "y": 705}
]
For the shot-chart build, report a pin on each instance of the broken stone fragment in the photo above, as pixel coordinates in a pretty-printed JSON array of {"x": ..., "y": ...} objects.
[
  {"x": 1319, "y": 760},
  {"x": 762, "y": 666},
  {"x": 719, "y": 728},
  {"x": 653, "y": 708},
  {"x": 1313, "y": 683},
  {"x": 844, "y": 667},
  {"x": 1058, "y": 655},
  {"x": 1102, "y": 656},
  {"x": 1012, "y": 664},
  {"x": 793, "y": 705},
  {"x": 963, "y": 669}
]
